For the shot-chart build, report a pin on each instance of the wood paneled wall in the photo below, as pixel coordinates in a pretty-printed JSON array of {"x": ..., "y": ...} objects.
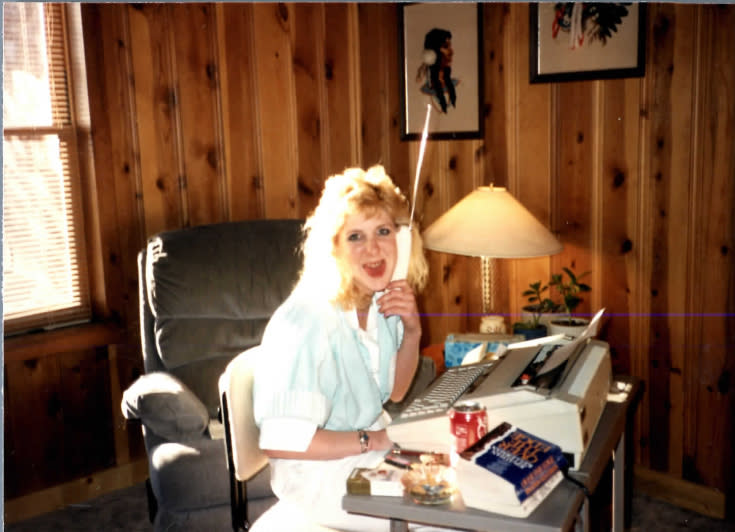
[{"x": 210, "y": 112}]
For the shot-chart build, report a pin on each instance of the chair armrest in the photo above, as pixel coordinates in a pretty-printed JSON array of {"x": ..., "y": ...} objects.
[{"x": 166, "y": 406}]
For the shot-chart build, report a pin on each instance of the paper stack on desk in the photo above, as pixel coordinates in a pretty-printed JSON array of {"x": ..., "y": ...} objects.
[{"x": 509, "y": 471}]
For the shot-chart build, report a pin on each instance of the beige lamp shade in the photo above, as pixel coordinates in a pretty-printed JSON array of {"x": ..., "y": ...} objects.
[{"x": 490, "y": 222}]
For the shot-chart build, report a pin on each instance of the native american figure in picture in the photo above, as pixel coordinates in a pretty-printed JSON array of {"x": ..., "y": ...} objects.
[{"x": 435, "y": 73}]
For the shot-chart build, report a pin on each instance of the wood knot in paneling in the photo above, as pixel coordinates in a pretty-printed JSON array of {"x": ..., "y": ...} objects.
[
  {"x": 211, "y": 71},
  {"x": 480, "y": 153},
  {"x": 661, "y": 30},
  {"x": 282, "y": 12},
  {"x": 212, "y": 159},
  {"x": 303, "y": 187},
  {"x": 626, "y": 246},
  {"x": 573, "y": 225},
  {"x": 168, "y": 99},
  {"x": 618, "y": 178}
]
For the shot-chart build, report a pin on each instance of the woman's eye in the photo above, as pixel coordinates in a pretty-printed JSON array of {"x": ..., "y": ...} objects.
[
  {"x": 384, "y": 231},
  {"x": 354, "y": 237}
]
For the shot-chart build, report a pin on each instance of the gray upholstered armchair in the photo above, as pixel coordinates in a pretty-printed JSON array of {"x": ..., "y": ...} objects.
[{"x": 206, "y": 294}]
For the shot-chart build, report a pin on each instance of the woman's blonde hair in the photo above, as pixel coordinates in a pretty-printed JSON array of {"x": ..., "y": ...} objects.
[{"x": 353, "y": 191}]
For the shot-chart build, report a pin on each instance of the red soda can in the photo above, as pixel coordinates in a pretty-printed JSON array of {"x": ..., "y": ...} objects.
[{"x": 468, "y": 423}]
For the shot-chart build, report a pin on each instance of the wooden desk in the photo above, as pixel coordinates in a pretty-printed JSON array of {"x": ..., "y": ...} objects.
[{"x": 559, "y": 511}]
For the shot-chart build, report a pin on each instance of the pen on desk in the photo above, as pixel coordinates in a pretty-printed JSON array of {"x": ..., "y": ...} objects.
[
  {"x": 398, "y": 461},
  {"x": 396, "y": 450}
]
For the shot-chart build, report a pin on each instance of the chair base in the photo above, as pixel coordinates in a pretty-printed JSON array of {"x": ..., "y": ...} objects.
[{"x": 152, "y": 501}]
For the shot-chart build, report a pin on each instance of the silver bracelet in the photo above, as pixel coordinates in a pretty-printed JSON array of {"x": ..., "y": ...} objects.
[{"x": 364, "y": 440}]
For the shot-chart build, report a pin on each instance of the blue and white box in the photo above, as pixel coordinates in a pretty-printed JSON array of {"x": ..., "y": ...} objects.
[{"x": 456, "y": 346}]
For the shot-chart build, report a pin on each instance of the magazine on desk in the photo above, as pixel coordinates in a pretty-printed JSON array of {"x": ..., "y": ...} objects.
[{"x": 509, "y": 471}]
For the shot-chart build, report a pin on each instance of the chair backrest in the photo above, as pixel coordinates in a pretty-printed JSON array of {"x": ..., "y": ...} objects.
[
  {"x": 207, "y": 292},
  {"x": 241, "y": 433}
]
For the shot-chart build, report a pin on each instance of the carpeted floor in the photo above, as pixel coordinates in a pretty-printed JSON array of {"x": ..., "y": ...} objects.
[{"x": 125, "y": 510}]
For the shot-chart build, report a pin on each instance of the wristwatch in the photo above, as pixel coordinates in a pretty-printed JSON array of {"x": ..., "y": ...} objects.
[{"x": 364, "y": 440}]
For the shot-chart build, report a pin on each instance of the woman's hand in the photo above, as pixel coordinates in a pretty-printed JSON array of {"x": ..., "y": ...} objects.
[
  {"x": 379, "y": 440},
  {"x": 399, "y": 300}
]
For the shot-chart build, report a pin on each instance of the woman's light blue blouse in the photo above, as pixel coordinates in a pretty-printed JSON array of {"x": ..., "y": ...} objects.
[{"x": 313, "y": 368}]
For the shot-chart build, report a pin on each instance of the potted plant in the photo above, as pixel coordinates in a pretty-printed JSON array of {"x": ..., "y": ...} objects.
[
  {"x": 569, "y": 289},
  {"x": 532, "y": 327}
]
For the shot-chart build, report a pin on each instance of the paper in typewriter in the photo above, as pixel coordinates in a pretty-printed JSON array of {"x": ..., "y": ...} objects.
[{"x": 563, "y": 353}]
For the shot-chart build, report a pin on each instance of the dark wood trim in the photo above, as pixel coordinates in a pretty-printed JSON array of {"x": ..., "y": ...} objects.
[{"x": 47, "y": 343}]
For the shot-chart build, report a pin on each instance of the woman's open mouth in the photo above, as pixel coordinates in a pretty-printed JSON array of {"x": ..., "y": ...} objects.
[{"x": 375, "y": 269}]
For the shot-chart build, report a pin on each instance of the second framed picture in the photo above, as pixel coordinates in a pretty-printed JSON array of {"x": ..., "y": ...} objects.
[
  {"x": 586, "y": 40},
  {"x": 441, "y": 63}
]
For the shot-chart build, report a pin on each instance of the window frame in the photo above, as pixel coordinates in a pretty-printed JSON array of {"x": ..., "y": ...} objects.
[{"x": 77, "y": 136}]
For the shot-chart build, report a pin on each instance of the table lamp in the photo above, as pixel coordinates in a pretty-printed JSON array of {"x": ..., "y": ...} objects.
[{"x": 490, "y": 223}]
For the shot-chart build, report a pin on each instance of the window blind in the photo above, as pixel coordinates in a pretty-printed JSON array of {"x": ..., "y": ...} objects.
[{"x": 45, "y": 281}]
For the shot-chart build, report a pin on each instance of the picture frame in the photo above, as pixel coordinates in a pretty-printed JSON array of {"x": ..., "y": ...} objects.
[
  {"x": 427, "y": 58},
  {"x": 609, "y": 41}
]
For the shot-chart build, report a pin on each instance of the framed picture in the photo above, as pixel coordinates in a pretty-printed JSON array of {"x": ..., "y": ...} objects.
[
  {"x": 586, "y": 40},
  {"x": 441, "y": 66}
]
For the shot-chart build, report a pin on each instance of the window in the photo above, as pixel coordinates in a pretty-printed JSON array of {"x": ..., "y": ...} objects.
[{"x": 45, "y": 119}]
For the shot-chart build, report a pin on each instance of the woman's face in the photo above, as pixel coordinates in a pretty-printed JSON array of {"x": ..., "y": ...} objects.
[{"x": 367, "y": 246}]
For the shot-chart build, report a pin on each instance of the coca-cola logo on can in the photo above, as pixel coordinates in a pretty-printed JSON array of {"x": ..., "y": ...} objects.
[{"x": 468, "y": 423}]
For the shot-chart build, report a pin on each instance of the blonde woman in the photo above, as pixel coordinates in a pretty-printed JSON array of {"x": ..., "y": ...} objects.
[{"x": 344, "y": 342}]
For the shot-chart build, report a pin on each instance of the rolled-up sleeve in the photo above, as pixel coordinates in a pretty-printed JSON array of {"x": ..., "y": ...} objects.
[
  {"x": 290, "y": 419},
  {"x": 289, "y": 401}
]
